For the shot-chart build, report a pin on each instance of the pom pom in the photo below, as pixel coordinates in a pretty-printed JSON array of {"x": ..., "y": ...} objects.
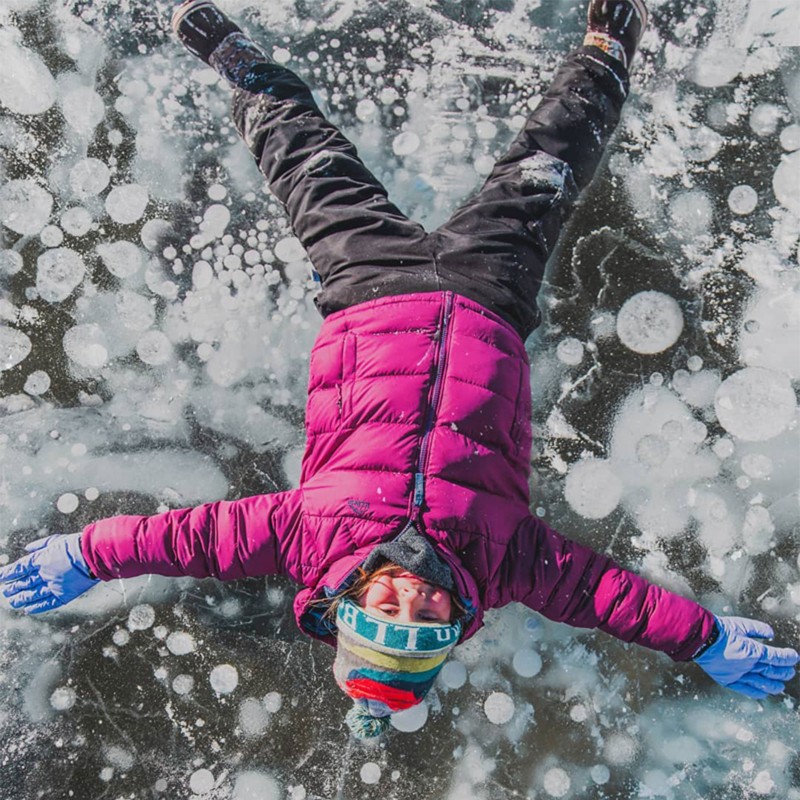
[{"x": 363, "y": 725}]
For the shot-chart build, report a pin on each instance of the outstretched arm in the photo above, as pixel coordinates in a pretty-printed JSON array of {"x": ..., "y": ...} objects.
[
  {"x": 571, "y": 583},
  {"x": 224, "y": 540}
]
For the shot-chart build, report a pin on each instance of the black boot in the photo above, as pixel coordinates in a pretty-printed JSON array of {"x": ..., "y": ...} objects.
[
  {"x": 201, "y": 27},
  {"x": 208, "y": 34},
  {"x": 616, "y": 27}
]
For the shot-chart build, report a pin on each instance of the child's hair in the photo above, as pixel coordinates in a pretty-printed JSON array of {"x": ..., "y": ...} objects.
[{"x": 363, "y": 580}]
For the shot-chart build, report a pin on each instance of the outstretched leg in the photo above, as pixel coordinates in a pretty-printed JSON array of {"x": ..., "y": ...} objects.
[
  {"x": 358, "y": 241},
  {"x": 496, "y": 245}
]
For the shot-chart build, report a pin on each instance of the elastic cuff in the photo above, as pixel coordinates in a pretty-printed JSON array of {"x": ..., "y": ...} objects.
[
  {"x": 712, "y": 639},
  {"x": 608, "y": 66}
]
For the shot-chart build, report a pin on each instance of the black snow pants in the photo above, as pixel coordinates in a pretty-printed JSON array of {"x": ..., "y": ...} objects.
[{"x": 492, "y": 250}]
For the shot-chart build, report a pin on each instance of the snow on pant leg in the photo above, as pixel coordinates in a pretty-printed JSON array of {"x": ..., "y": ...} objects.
[
  {"x": 495, "y": 247},
  {"x": 359, "y": 242}
]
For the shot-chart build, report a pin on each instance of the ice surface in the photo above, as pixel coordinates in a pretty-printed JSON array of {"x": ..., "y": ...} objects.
[{"x": 171, "y": 370}]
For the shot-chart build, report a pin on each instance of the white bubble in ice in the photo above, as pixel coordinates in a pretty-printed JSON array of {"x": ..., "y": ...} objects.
[
  {"x": 51, "y": 236},
  {"x": 790, "y": 137},
  {"x": 527, "y": 662},
  {"x": 600, "y": 774},
  {"x": 202, "y": 275},
  {"x": 784, "y": 182},
  {"x": 122, "y": 259},
  {"x": 141, "y": 617},
  {"x": 619, "y": 749},
  {"x": 154, "y": 348},
  {"x": 37, "y": 383},
  {"x": 570, "y": 351},
  {"x": 24, "y": 206},
  {"x": 153, "y": 233},
  {"x": 764, "y": 119},
  {"x": 578, "y": 713},
  {"x": 755, "y": 404},
  {"x": 743, "y": 200},
  {"x": 76, "y": 221},
  {"x": 499, "y": 708},
  {"x": 92, "y": 493},
  {"x": 763, "y": 783},
  {"x": 757, "y": 465},
  {"x": 89, "y": 177},
  {"x": 217, "y": 192},
  {"x": 556, "y": 782},
  {"x": 691, "y": 213},
  {"x": 272, "y": 702},
  {"x": 63, "y": 698},
  {"x": 201, "y": 781},
  {"x": 180, "y": 643},
  {"x": 252, "y": 785},
  {"x": 365, "y": 109},
  {"x": 412, "y": 719},
  {"x": 182, "y": 684},
  {"x": 649, "y": 322},
  {"x": 405, "y": 143},
  {"x": 58, "y": 273},
  {"x": 453, "y": 675},
  {"x": 224, "y": 678},
  {"x": 86, "y": 345},
  {"x": 121, "y": 637},
  {"x": 136, "y": 312},
  {"x": 370, "y": 773},
  {"x": 10, "y": 262},
  {"x": 592, "y": 489},
  {"x": 289, "y": 250},
  {"x": 724, "y": 447},
  {"x": 253, "y": 717},
  {"x": 26, "y": 85},
  {"x": 67, "y": 503},
  {"x": 83, "y": 109},
  {"x": 126, "y": 203},
  {"x": 15, "y": 347}
]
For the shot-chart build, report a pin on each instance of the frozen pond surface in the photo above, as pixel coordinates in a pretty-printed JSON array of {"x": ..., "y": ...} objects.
[{"x": 155, "y": 320}]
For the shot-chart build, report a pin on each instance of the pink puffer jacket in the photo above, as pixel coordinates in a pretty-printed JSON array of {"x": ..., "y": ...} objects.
[{"x": 418, "y": 409}]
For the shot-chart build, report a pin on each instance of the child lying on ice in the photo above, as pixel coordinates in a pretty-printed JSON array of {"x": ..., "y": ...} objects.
[{"x": 412, "y": 515}]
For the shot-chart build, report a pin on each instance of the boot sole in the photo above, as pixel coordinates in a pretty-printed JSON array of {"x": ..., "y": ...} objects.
[{"x": 183, "y": 10}]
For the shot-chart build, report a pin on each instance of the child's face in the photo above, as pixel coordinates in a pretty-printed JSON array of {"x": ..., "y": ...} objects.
[{"x": 406, "y": 598}]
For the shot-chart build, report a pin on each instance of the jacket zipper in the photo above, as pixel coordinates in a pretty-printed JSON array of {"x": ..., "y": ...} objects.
[{"x": 441, "y": 358}]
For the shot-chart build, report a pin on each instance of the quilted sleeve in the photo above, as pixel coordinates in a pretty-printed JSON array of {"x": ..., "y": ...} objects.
[
  {"x": 568, "y": 582},
  {"x": 226, "y": 540}
]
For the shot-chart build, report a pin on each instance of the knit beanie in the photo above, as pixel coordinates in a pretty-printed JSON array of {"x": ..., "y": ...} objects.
[{"x": 386, "y": 666}]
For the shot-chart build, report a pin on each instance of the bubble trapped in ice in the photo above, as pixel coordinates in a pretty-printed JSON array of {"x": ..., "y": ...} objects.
[
  {"x": 24, "y": 206},
  {"x": 180, "y": 643},
  {"x": 755, "y": 404},
  {"x": 499, "y": 708},
  {"x": 15, "y": 347},
  {"x": 743, "y": 200},
  {"x": 592, "y": 489},
  {"x": 224, "y": 678},
  {"x": 649, "y": 322},
  {"x": 58, "y": 273}
]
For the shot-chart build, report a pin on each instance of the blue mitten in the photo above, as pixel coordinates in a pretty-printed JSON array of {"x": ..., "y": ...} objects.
[
  {"x": 52, "y": 575},
  {"x": 744, "y": 664}
]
